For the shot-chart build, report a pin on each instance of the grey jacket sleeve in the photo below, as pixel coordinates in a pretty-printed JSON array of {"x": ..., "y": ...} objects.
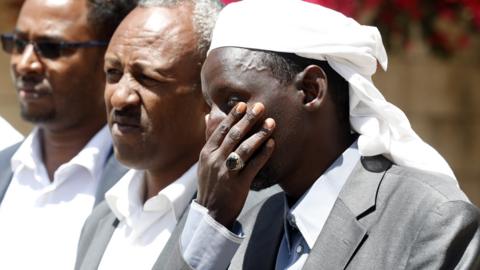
[
  {"x": 197, "y": 239},
  {"x": 206, "y": 244},
  {"x": 201, "y": 245},
  {"x": 448, "y": 239}
]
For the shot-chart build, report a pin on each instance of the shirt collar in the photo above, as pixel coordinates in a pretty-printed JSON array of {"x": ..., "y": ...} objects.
[
  {"x": 312, "y": 210},
  {"x": 179, "y": 193},
  {"x": 126, "y": 202},
  {"x": 125, "y": 197},
  {"x": 28, "y": 154},
  {"x": 92, "y": 157}
]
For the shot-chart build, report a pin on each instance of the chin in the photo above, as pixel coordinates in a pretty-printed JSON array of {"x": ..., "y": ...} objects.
[
  {"x": 37, "y": 118},
  {"x": 128, "y": 158},
  {"x": 264, "y": 179}
]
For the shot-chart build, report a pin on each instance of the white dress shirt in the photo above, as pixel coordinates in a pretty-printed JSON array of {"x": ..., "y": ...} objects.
[
  {"x": 144, "y": 228},
  {"x": 8, "y": 134},
  {"x": 207, "y": 245},
  {"x": 41, "y": 218},
  {"x": 311, "y": 211}
]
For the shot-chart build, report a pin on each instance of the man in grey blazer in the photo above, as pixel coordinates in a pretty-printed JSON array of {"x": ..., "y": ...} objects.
[
  {"x": 156, "y": 116},
  {"x": 50, "y": 182},
  {"x": 293, "y": 103}
]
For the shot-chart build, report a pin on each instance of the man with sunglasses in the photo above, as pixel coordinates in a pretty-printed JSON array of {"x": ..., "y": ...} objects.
[{"x": 50, "y": 182}]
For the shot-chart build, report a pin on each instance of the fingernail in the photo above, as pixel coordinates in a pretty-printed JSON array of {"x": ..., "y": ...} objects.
[
  {"x": 257, "y": 108},
  {"x": 241, "y": 107},
  {"x": 269, "y": 123},
  {"x": 207, "y": 117}
]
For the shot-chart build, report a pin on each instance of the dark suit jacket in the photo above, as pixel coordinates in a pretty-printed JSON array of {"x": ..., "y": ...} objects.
[
  {"x": 386, "y": 217},
  {"x": 112, "y": 172}
]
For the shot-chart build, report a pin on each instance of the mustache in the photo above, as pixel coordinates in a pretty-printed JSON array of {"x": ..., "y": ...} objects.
[
  {"x": 128, "y": 116},
  {"x": 30, "y": 82}
]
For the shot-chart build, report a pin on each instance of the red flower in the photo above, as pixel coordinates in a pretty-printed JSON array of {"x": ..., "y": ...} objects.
[
  {"x": 473, "y": 6},
  {"x": 370, "y": 4},
  {"x": 411, "y": 7},
  {"x": 226, "y": 2}
]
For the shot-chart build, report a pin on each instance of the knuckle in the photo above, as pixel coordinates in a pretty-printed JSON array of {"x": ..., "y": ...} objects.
[
  {"x": 235, "y": 134},
  {"x": 216, "y": 166},
  {"x": 250, "y": 116},
  {"x": 223, "y": 129},
  {"x": 243, "y": 149},
  {"x": 263, "y": 132},
  {"x": 204, "y": 155}
]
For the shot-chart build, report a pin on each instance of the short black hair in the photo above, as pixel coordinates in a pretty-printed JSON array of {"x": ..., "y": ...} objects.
[
  {"x": 104, "y": 16},
  {"x": 285, "y": 66}
]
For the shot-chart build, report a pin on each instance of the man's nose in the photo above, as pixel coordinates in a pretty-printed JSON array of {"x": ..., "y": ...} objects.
[
  {"x": 213, "y": 119},
  {"x": 125, "y": 94},
  {"x": 28, "y": 62}
]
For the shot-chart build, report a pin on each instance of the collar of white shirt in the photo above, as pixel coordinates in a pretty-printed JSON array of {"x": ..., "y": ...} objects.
[
  {"x": 9, "y": 135},
  {"x": 92, "y": 157},
  {"x": 125, "y": 199},
  {"x": 312, "y": 210}
]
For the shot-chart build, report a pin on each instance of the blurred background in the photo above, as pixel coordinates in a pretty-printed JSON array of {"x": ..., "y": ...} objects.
[{"x": 433, "y": 75}]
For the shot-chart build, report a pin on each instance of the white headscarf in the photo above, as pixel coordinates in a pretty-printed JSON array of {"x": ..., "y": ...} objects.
[{"x": 351, "y": 49}]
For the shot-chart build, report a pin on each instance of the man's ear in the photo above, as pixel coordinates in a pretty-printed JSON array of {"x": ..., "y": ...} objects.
[{"x": 312, "y": 84}]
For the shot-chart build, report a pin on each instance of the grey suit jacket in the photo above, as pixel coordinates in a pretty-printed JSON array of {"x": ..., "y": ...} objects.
[
  {"x": 98, "y": 230},
  {"x": 386, "y": 217},
  {"x": 100, "y": 225},
  {"x": 112, "y": 172}
]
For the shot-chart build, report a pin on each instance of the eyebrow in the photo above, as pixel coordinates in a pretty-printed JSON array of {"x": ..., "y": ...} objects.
[
  {"x": 112, "y": 59},
  {"x": 40, "y": 37},
  {"x": 165, "y": 73}
]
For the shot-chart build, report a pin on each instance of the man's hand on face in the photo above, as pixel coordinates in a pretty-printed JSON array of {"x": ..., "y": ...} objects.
[{"x": 221, "y": 190}]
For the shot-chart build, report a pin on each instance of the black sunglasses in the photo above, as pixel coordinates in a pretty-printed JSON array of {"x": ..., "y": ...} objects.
[{"x": 49, "y": 49}]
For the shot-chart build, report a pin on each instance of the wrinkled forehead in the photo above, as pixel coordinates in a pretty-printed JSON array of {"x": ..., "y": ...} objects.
[
  {"x": 235, "y": 58},
  {"x": 235, "y": 68},
  {"x": 149, "y": 22},
  {"x": 157, "y": 27},
  {"x": 64, "y": 18}
]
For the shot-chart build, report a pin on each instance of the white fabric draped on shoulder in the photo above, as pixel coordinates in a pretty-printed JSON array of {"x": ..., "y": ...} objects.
[{"x": 351, "y": 49}]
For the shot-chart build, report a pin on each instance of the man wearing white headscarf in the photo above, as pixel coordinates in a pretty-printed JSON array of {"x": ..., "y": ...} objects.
[{"x": 293, "y": 103}]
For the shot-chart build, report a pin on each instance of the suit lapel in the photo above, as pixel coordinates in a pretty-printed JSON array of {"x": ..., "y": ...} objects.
[
  {"x": 337, "y": 242},
  {"x": 6, "y": 173},
  {"x": 103, "y": 234},
  {"x": 112, "y": 172},
  {"x": 343, "y": 232},
  {"x": 172, "y": 243}
]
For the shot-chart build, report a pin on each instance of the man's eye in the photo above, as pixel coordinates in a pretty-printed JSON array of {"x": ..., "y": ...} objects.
[
  {"x": 113, "y": 75},
  {"x": 232, "y": 101},
  {"x": 147, "y": 80}
]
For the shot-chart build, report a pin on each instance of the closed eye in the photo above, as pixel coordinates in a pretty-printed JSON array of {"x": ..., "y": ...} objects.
[
  {"x": 147, "y": 81},
  {"x": 231, "y": 102},
  {"x": 113, "y": 75}
]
